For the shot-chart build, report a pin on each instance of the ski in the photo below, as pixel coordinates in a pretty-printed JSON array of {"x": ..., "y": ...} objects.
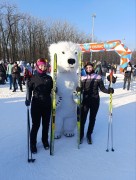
[
  {"x": 53, "y": 109},
  {"x": 80, "y": 63},
  {"x": 110, "y": 124}
]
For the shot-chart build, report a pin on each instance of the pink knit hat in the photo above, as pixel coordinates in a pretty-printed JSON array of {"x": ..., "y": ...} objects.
[{"x": 39, "y": 62}]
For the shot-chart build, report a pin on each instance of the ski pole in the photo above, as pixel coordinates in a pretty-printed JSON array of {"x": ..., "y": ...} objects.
[
  {"x": 108, "y": 135},
  {"x": 30, "y": 158},
  {"x": 112, "y": 149},
  {"x": 110, "y": 123}
]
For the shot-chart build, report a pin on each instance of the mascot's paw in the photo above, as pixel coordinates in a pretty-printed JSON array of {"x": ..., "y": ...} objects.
[
  {"x": 57, "y": 136},
  {"x": 76, "y": 97},
  {"x": 59, "y": 99},
  {"x": 69, "y": 134}
]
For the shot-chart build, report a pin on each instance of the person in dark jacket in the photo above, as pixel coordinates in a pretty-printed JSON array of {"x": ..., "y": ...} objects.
[
  {"x": 3, "y": 76},
  {"x": 90, "y": 85},
  {"x": 127, "y": 76},
  {"x": 28, "y": 72},
  {"x": 40, "y": 85},
  {"x": 134, "y": 73},
  {"x": 15, "y": 71},
  {"x": 98, "y": 69}
]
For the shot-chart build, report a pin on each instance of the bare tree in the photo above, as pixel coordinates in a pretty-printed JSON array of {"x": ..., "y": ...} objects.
[
  {"x": 23, "y": 37},
  {"x": 9, "y": 18}
]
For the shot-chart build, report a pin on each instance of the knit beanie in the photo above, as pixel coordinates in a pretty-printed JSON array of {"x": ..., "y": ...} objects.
[{"x": 39, "y": 62}]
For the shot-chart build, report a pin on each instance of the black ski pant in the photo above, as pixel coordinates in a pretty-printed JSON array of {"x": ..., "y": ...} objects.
[
  {"x": 16, "y": 79},
  {"x": 91, "y": 104},
  {"x": 127, "y": 79},
  {"x": 40, "y": 111}
]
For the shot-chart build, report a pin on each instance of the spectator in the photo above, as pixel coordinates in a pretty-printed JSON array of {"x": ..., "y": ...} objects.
[
  {"x": 9, "y": 74},
  {"x": 3, "y": 77},
  {"x": 127, "y": 76},
  {"x": 16, "y": 76}
]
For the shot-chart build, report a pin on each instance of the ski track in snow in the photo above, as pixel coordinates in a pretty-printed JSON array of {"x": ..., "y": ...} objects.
[{"x": 68, "y": 162}]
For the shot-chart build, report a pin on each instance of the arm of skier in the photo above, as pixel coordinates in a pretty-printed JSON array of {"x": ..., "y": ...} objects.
[
  {"x": 103, "y": 89},
  {"x": 29, "y": 89}
]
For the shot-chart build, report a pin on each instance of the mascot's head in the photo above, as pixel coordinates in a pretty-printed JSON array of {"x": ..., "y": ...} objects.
[{"x": 67, "y": 56}]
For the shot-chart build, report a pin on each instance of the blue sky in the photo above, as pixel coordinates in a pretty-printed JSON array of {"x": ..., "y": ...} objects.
[{"x": 114, "y": 19}]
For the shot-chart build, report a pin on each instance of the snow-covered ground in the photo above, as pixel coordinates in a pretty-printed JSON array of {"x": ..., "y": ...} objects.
[{"x": 90, "y": 162}]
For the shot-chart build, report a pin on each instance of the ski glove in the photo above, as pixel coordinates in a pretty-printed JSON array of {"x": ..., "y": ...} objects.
[
  {"x": 110, "y": 90},
  {"x": 78, "y": 89},
  {"x": 27, "y": 102}
]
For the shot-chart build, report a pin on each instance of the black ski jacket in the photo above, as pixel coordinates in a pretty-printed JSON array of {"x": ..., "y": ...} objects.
[
  {"x": 15, "y": 71},
  {"x": 40, "y": 85},
  {"x": 90, "y": 85}
]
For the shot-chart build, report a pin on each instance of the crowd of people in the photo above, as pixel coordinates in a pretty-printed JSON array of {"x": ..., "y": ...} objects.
[
  {"x": 129, "y": 72},
  {"x": 39, "y": 86},
  {"x": 16, "y": 73}
]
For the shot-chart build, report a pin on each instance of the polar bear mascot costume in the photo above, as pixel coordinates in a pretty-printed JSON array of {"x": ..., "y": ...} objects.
[{"x": 67, "y": 81}]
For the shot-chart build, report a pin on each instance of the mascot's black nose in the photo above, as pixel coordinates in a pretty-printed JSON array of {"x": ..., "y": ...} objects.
[{"x": 71, "y": 61}]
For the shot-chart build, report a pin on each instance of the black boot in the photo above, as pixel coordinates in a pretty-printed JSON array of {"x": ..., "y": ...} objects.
[
  {"x": 81, "y": 136},
  {"x": 33, "y": 149},
  {"x": 46, "y": 145},
  {"x": 21, "y": 89},
  {"x": 81, "y": 139},
  {"x": 89, "y": 139}
]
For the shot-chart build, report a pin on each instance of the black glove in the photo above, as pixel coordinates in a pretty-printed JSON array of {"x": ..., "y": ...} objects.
[
  {"x": 27, "y": 102},
  {"x": 110, "y": 90},
  {"x": 78, "y": 89}
]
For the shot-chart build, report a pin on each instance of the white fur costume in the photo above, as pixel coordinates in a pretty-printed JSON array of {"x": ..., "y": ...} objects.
[{"x": 67, "y": 81}]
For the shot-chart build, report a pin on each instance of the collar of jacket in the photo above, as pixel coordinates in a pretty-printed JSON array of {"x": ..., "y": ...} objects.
[{"x": 42, "y": 74}]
